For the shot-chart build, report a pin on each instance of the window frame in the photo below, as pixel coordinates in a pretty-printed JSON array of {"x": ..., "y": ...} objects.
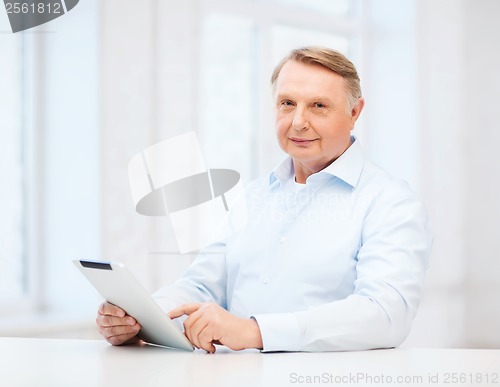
[{"x": 31, "y": 299}]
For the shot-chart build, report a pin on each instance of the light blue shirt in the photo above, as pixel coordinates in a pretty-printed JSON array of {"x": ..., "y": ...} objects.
[{"x": 335, "y": 264}]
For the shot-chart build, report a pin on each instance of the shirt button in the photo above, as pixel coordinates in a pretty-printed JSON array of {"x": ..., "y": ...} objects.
[
  {"x": 282, "y": 240},
  {"x": 265, "y": 281}
]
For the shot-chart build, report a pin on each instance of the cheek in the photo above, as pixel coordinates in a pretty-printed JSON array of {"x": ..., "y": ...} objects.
[
  {"x": 281, "y": 127},
  {"x": 281, "y": 124}
]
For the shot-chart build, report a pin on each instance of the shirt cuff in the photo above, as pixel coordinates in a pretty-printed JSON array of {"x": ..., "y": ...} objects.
[{"x": 279, "y": 332}]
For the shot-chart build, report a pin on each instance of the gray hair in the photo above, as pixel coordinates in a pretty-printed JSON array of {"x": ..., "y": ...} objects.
[{"x": 330, "y": 59}]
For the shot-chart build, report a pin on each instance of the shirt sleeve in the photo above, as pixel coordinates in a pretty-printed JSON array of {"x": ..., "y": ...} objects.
[{"x": 391, "y": 263}]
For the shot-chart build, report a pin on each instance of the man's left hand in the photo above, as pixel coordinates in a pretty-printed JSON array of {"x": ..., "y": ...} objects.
[{"x": 209, "y": 324}]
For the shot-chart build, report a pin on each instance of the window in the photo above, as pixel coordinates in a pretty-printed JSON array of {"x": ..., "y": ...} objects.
[
  {"x": 286, "y": 38},
  {"x": 49, "y": 191},
  {"x": 329, "y": 7},
  {"x": 12, "y": 167},
  {"x": 227, "y": 91}
]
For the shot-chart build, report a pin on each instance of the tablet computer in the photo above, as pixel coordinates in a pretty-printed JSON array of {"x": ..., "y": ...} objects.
[{"x": 119, "y": 287}]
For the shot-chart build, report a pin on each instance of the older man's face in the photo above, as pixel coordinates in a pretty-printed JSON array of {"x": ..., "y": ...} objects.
[{"x": 312, "y": 122}]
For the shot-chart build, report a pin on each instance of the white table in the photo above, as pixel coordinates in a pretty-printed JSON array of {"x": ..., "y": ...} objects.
[{"x": 52, "y": 363}]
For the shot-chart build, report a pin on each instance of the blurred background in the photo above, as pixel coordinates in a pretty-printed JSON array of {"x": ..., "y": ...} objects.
[{"x": 83, "y": 94}]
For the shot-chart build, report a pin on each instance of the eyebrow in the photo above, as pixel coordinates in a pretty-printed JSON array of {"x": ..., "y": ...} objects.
[
  {"x": 282, "y": 96},
  {"x": 315, "y": 99}
]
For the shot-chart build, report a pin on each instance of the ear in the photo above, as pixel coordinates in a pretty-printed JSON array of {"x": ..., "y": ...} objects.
[{"x": 357, "y": 109}]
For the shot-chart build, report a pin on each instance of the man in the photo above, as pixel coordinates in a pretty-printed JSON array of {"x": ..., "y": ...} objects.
[{"x": 334, "y": 252}]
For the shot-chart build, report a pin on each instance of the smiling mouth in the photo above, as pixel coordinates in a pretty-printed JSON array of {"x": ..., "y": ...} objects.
[{"x": 302, "y": 140}]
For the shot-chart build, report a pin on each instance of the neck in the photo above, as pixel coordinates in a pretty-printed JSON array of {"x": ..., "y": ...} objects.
[
  {"x": 302, "y": 172},
  {"x": 303, "y": 169}
]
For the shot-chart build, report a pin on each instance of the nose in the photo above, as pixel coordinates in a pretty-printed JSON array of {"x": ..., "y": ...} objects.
[{"x": 299, "y": 122}]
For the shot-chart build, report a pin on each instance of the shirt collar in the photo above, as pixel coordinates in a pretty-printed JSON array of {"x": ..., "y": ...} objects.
[{"x": 347, "y": 167}]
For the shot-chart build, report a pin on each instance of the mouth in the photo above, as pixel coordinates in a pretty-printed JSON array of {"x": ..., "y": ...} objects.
[{"x": 302, "y": 141}]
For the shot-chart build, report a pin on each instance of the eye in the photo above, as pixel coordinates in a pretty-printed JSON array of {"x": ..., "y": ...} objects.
[
  {"x": 286, "y": 105},
  {"x": 319, "y": 105}
]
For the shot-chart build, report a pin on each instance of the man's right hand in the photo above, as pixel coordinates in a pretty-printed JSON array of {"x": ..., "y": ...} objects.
[{"x": 115, "y": 325}]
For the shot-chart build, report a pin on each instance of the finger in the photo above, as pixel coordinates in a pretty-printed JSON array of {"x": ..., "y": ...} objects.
[
  {"x": 109, "y": 309},
  {"x": 109, "y": 321},
  {"x": 194, "y": 324},
  {"x": 119, "y": 330},
  {"x": 202, "y": 331},
  {"x": 184, "y": 309},
  {"x": 188, "y": 327},
  {"x": 206, "y": 340},
  {"x": 193, "y": 332},
  {"x": 120, "y": 339},
  {"x": 192, "y": 319}
]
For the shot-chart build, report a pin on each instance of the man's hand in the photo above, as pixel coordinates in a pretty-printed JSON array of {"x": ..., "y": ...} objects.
[
  {"x": 115, "y": 325},
  {"x": 209, "y": 324}
]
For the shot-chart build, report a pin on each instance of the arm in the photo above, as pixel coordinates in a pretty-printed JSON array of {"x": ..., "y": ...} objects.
[{"x": 395, "y": 245}]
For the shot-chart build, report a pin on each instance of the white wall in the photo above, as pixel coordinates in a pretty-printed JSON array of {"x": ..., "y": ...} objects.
[
  {"x": 459, "y": 88},
  {"x": 481, "y": 135},
  {"x": 440, "y": 29}
]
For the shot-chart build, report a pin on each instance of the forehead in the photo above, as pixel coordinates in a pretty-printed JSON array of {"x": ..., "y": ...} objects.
[{"x": 309, "y": 78}]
